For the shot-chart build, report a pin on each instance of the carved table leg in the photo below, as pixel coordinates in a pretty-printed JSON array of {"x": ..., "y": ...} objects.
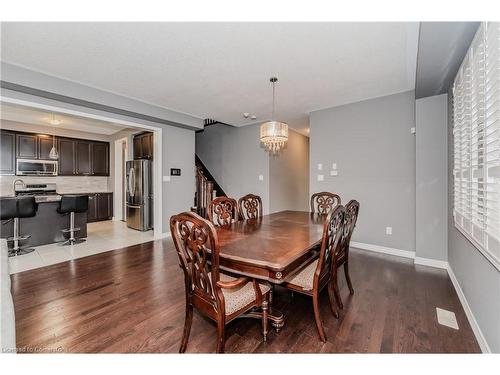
[{"x": 264, "y": 319}]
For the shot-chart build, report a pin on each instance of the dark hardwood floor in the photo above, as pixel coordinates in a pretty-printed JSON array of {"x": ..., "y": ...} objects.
[{"x": 132, "y": 300}]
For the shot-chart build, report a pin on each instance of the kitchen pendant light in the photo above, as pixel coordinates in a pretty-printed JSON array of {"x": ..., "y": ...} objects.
[
  {"x": 274, "y": 134},
  {"x": 53, "y": 154}
]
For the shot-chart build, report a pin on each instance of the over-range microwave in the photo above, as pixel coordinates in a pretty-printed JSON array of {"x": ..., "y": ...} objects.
[{"x": 33, "y": 167}]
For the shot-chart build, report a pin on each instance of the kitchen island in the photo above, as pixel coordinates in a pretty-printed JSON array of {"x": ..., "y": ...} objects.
[{"x": 47, "y": 225}]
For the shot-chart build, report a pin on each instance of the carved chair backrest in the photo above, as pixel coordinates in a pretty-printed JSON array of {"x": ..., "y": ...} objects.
[
  {"x": 324, "y": 202},
  {"x": 198, "y": 249},
  {"x": 250, "y": 206},
  {"x": 351, "y": 216},
  {"x": 332, "y": 233},
  {"x": 223, "y": 211}
]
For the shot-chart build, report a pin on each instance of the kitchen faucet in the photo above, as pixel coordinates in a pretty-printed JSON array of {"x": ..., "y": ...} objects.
[{"x": 16, "y": 182}]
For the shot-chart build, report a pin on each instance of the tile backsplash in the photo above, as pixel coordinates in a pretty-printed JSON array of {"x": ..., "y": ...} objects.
[{"x": 65, "y": 184}]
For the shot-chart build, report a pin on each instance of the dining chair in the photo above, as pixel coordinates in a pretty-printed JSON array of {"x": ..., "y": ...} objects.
[
  {"x": 250, "y": 207},
  {"x": 311, "y": 279},
  {"x": 223, "y": 211},
  {"x": 324, "y": 202},
  {"x": 341, "y": 256},
  {"x": 220, "y": 297}
]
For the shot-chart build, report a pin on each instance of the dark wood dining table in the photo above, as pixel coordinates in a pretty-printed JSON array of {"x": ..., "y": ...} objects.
[{"x": 271, "y": 248}]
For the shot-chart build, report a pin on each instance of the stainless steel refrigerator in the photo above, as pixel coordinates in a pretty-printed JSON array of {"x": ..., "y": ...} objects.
[{"x": 139, "y": 194}]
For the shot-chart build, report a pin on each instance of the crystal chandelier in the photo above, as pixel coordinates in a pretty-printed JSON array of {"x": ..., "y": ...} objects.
[{"x": 273, "y": 134}]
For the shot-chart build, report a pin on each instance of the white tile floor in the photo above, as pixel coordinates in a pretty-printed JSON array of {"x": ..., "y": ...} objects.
[{"x": 101, "y": 236}]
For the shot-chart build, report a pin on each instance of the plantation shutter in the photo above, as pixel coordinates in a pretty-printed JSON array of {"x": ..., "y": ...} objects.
[{"x": 476, "y": 132}]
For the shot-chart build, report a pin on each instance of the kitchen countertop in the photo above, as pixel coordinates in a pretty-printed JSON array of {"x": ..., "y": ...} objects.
[{"x": 57, "y": 197}]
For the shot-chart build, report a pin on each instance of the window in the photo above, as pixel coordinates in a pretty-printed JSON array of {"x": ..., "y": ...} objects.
[{"x": 476, "y": 140}]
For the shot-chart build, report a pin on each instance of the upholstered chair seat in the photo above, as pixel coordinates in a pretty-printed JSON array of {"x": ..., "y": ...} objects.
[
  {"x": 305, "y": 278},
  {"x": 236, "y": 299}
]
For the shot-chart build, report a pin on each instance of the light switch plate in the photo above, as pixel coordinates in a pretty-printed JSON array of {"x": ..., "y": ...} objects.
[
  {"x": 334, "y": 173},
  {"x": 166, "y": 178},
  {"x": 321, "y": 177},
  {"x": 261, "y": 177},
  {"x": 388, "y": 230},
  {"x": 334, "y": 165},
  {"x": 413, "y": 130},
  {"x": 320, "y": 167}
]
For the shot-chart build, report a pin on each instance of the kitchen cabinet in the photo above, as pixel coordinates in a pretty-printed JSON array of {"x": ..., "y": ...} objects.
[
  {"x": 44, "y": 146},
  {"x": 100, "y": 207},
  {"x": 67, "y": 151},
  {"x": 83, "y": 158},
  {"x": 27, "y": 146},
  {"x": 8, "y": 153},
  {"x": 143, "y": 146},
  {"x": 77, "y": 157},
  {"x": 100, "y": 159}
]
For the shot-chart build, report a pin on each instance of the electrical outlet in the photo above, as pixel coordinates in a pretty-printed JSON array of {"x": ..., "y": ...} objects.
[
  {"x": 166, "y": 178},
  {"x": 321, "y": 177},
  {"x": 334, "y": 165},
  {"x": 334, "y": 173},
  {"x": 388, "y": 230},
  {"x": 320, "y": 167},
  {"x": 261, "y": 177}
]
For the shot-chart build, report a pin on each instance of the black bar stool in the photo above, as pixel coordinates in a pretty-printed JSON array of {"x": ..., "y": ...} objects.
[
  {"x": 15, "y": 208},
  {"x": 71, "y": 204}
]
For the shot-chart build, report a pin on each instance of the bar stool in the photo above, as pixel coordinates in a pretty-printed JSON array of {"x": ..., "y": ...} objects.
[
  {"x": 15, "y": 208},
  {"x": 71, "y": 204}
]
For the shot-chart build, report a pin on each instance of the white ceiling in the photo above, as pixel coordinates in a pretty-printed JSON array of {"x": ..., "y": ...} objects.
[
  {"x": 220, "y": 70},
  {"x": 36, "y": 116}
]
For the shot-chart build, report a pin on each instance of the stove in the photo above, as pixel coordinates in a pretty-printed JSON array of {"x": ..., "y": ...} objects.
[{"x": 41, "y": 192}]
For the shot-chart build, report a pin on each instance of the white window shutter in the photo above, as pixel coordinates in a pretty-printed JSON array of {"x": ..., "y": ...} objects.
[{"x": 476, "y": 132}]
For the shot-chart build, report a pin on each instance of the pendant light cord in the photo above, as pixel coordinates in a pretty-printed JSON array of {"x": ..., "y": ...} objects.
[{"x": 274, "y": 95}]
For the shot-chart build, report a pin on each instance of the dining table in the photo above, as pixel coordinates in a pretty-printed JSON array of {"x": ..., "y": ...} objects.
[{"x": 271, "y": 248}]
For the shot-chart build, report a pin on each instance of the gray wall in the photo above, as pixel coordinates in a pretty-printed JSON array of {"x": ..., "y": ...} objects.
[
  {"x": 235, "y": 158},
  {"x": 478, "y": 278},
  {"x": 432, "y": 177},
  {"x": 375, "y": 154},
  {"x": 178, "y": 152},
  {"x": 289, "y": 175}
]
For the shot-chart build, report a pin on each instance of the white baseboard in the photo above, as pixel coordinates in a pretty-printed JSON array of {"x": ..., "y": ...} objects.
[
  {"x": 483, "y": 344},
  {"x": 164, "y": 235},
  {"x": 431, "y": 262},
  {"x": 384, "y": 250}
]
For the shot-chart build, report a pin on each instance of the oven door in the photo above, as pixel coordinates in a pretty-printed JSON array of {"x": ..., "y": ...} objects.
[{"x": 30, "y": 167}]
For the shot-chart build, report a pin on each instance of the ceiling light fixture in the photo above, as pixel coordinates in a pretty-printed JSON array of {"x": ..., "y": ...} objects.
[
  {"x": 53, "y": 154},
  {"x": 274, "y": 134}
]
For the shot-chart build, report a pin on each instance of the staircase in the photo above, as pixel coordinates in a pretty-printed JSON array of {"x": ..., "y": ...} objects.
[{"x": 206, "y": 189}]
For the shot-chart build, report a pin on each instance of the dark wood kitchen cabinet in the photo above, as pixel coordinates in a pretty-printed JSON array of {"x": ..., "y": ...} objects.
[
  {"x": 8, "y": 153},
  {"x": 100, "y": 159},
  {"x": 67, "y": 152},
  {"x": 143, "y": 146},
  {"x": 77, "y": 157},
  {"x": 45, "y": 143},
  {"x": 83, "y": 159},
  {"x": 27, "y": 146},
  {"x": 100, "y": 207},
  {"x": 33, "y": 146}
]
